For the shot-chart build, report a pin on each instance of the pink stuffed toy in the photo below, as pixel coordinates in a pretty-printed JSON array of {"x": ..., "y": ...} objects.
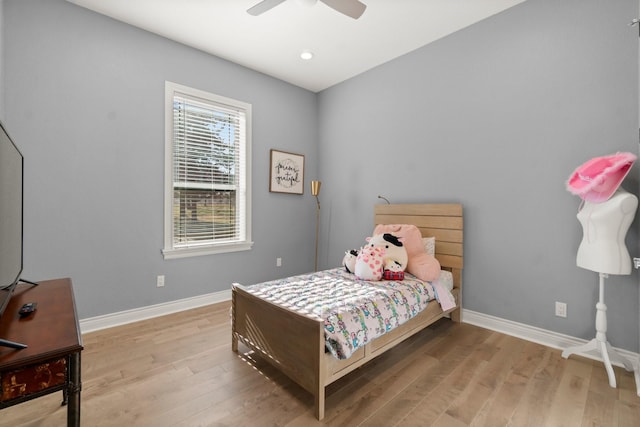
[
  {"x": 421, "y": 264},
  {"x": 394, "y": 250},
  {"x": 369, "y": 263}
]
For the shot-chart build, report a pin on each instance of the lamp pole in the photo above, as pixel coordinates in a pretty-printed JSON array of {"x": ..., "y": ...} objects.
[{"x": 315, "y": 190}]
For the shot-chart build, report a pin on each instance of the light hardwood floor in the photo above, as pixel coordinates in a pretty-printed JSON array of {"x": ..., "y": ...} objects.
[{"x": 179, "y": 370}]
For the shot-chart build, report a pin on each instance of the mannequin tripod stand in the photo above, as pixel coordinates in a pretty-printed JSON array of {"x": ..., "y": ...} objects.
[{"x": 600, "y": 343}]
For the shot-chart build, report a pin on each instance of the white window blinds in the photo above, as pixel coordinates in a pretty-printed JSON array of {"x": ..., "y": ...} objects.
[{"x": 209, "y": 168}]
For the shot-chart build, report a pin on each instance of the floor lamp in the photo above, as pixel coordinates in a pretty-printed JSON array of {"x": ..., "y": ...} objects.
[{"x": 315, "y": 190}]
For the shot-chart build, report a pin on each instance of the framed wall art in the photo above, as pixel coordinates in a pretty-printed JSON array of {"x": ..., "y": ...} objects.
[{"x": 287, "y": 172}]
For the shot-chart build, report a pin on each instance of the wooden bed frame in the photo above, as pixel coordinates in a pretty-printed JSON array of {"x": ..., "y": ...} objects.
[{"x": 295, "y": 344}]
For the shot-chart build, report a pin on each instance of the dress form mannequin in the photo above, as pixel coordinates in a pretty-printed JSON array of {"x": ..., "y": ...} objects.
[
  {"x": 604, "y": 227},
  {"x": 603, "y": 250}
]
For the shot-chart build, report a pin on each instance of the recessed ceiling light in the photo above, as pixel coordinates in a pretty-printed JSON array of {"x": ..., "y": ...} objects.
[{"x": 306, "y": 55}]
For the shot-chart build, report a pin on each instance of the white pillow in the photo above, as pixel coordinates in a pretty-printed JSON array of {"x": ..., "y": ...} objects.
[{"x": 429, "y": 245}]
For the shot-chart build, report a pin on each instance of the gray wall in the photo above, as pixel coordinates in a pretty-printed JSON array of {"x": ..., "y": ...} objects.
[
  {"x": 84, "y": 99},
  {"x": 496, "y": 117}
]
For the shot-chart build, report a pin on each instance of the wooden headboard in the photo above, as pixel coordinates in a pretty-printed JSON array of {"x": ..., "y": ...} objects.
[{"x": 443, "y": 221}]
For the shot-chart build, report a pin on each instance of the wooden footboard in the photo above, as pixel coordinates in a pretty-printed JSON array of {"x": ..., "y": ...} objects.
[
  {"x": 295, "y": 344},
  {"x": 292, "y": 343}
]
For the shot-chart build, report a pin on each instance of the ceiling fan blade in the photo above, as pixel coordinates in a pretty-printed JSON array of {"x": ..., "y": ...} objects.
[
  {"x": 263, "y": 6},
  {"x": 352, "y": 8}
]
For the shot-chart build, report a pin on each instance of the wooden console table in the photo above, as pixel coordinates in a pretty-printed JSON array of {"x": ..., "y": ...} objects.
[{"x": 51, "y": 362}]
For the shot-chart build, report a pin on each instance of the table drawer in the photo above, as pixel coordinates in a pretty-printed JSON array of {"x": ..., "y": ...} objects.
[{"x": 22, "y": 382}]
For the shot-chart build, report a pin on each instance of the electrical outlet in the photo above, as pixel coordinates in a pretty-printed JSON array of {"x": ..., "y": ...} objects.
[
  {"x": 561, "y": 309},
  {"x": 278, "y": 262},
  {"x": 160, "y": 281}
]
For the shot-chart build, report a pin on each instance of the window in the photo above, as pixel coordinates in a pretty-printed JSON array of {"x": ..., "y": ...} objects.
[{"x": 207, "y": 182}]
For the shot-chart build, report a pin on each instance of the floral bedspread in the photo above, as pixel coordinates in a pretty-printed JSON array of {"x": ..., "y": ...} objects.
[{"x": 354, "y": 311}]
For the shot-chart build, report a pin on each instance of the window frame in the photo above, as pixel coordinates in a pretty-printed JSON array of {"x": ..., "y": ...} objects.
[{"x": 170, "y": 251}]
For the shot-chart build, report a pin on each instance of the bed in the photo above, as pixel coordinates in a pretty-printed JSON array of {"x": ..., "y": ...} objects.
[{"x": 295, "y": 343}]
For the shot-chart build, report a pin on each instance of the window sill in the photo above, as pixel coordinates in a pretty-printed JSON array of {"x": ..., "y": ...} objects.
[{"x": 172, "y": 253}]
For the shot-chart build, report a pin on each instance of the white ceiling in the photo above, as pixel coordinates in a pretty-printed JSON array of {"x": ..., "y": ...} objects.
[{"x": 272, "y": 42}]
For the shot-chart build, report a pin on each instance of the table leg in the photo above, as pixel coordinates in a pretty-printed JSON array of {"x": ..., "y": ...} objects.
[{"x": 73, "y": 391}]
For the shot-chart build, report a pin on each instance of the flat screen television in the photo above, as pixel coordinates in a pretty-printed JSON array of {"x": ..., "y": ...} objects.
[
  {"x": 11, "y": 204},
  {"x": 11, "y": 191}
]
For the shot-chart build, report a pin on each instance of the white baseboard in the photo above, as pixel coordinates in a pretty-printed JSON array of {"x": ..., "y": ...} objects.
[
  {"x": 537, "y": 335},
  {"x": 129, "y": 316}
]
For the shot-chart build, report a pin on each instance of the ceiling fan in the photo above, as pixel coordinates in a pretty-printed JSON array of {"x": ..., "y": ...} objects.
[{"x": 351, "y": 8}]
